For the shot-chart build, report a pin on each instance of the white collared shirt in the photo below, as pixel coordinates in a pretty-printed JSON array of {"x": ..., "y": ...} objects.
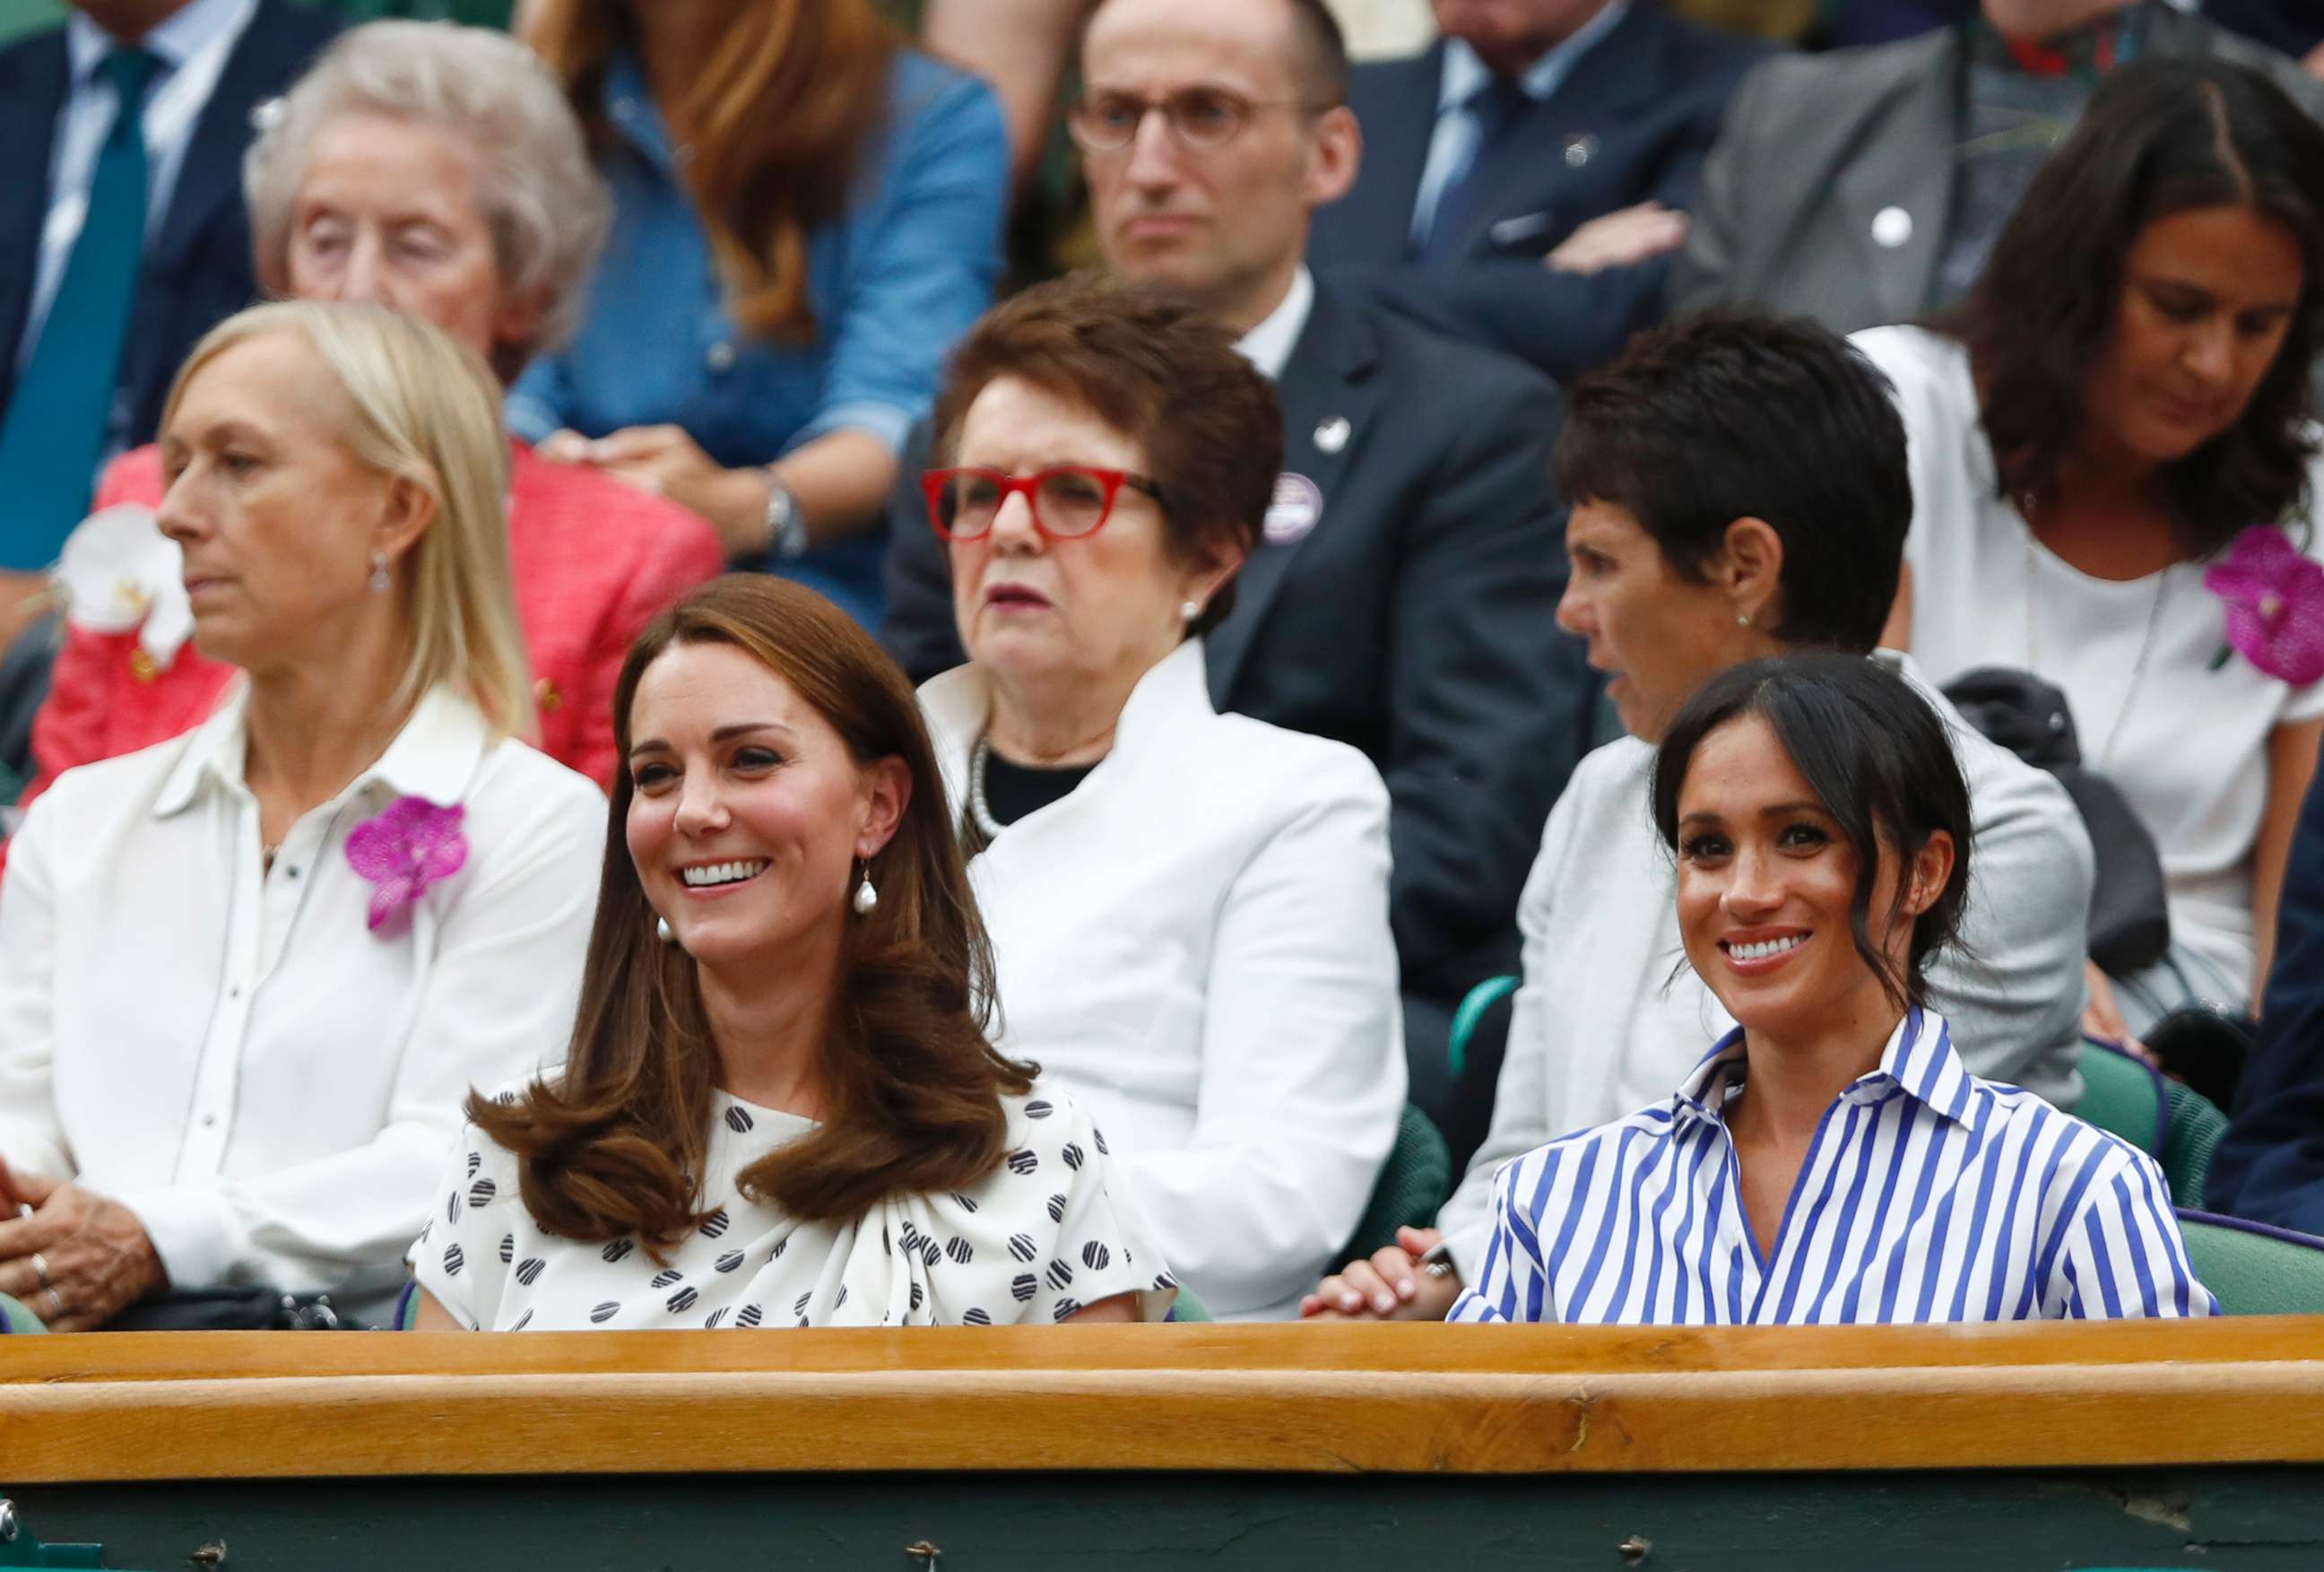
[
  {"x": 232, "y": 1053},
  {"x": 1194, "y": 941},
  {"x": 1456, "y": 142},
  {"x": 1269, "y": 344},
  {"x": 191, "y": 49},
  {"x": 1926, "y": 1194}
]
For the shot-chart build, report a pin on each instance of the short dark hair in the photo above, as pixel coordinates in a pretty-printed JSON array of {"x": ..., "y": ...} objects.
[
  {"x": 1321, "y": 66},
  {"x": 1879, "y": 760},
  {"x": 1738, "y": 414},
  {"x": 2158, "y": 137},
  {"x": 1154, "y": 368}
]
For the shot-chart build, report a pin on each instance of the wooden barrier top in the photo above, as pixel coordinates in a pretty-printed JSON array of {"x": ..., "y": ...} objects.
[{"x": 1394, "y": 1398}]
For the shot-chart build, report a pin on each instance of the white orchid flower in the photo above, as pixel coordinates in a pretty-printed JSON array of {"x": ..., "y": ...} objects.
[{"x": 119, "y": 571}]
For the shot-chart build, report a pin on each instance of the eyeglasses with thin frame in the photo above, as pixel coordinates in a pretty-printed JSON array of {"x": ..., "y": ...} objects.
[
  {"x": 1199, "y": 119},
  {"x": 1069, "y": 502}
]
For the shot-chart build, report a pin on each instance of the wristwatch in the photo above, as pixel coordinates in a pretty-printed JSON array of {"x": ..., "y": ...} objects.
[{"x": 786, "y": 522}]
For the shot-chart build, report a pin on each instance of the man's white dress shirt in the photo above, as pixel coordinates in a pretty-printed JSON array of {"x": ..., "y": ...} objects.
[
  {"x": 231, "y": 1052},
  {"x": 1194, "y": 941}
]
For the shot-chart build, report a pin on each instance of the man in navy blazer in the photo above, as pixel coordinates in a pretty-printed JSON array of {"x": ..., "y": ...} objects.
[
  {"x": 1403, "y": 597},
  {"x": 1500, "y": 163},
  {"x": 2270, "y": 1166},
  {"x": 196, "y": 269}
]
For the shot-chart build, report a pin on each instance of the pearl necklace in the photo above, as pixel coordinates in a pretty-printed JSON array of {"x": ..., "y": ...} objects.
[{"x": 979, "y": 810}]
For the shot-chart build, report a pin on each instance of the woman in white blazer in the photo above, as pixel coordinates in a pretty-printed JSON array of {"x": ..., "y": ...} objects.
[{"x": 1188, "y": 911}]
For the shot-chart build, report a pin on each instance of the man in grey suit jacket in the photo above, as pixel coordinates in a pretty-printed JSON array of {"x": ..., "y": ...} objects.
[{"x": 1861, "y": 187}]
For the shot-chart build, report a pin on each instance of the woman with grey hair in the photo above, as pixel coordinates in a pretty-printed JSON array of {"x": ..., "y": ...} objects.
[{"x": 436, "y": 168}]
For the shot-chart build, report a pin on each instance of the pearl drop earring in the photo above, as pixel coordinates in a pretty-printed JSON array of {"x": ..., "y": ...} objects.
[
  {"x": 1190, "y": 610},
  {"x": 381, "y": 581},
  {"x": 866, "y": 897},
  {"x": 662, "y": 933}
]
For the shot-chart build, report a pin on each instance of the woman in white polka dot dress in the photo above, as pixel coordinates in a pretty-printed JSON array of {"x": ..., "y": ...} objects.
[{"x": 781, "y": 1107}]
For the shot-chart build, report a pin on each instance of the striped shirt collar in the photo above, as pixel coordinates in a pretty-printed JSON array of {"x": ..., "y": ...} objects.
[{"x": 1919, "y": 1060}]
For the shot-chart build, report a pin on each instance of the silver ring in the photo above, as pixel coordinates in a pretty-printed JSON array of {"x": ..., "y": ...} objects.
[
  {"x": 1438, "y": 1269},
  {"x": 40, "y": 1269},
  {"x": 56, "y": 1304}
]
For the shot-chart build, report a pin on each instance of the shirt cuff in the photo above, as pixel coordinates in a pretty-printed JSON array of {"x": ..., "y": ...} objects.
[
  {"x": 193, "y": 1231},
  {"x": 887, "y": 422},
  {"x": 529, "y": 418}
]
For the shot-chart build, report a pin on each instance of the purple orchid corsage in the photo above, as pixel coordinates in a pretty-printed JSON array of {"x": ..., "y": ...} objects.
[
  {"x": 2275, "y": 596},
  {"x": 407, "y": 847}
]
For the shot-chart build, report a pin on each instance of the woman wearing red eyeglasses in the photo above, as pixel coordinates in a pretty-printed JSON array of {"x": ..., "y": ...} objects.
[{"x": 1188, "y": 910}]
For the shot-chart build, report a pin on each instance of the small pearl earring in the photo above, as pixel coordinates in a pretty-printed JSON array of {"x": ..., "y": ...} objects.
[
  {"x": 866, "y": 897},
  {"x": 1190, "y": 610},
  {"x": 1742, "y": 619},
  {"x": 662, "y": 933},
  {"x": 381, "y": 581}
]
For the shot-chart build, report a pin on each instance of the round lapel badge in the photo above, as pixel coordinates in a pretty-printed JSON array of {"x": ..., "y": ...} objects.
[{"x": 1297, "y": 507}]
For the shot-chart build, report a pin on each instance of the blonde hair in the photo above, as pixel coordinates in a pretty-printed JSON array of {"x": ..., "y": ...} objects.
[
  {"x": 542, "y": 199},
  {"x": 428, "y": 409}
]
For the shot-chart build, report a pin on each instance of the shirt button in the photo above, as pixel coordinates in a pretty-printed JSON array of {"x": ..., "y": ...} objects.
[
  {"x": 721, "y": 357},
  {"x": 625, "y": 109},
  {"x": 209, "y": 1120}
]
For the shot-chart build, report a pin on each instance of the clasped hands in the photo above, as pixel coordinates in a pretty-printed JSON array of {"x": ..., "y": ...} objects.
[
  {"x": 79, "y": 1260},
  {"x": 664, "y": 461},
  {"x": 1390, "y": 1285}
]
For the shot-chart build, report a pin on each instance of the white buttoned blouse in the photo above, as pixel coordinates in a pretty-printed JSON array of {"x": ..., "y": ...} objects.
[{"x": 230, "y": 1050}]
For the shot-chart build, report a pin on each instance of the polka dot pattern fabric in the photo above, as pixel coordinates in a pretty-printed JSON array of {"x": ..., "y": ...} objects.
[{"x": 1037, "y": 1240}]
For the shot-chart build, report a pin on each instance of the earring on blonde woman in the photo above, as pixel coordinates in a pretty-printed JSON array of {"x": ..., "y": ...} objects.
[
  {"x": 381, "y": 579},
  {"x": 866, "y": 897}
]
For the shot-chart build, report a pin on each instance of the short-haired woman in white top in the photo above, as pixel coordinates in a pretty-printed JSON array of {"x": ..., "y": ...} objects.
[
  {"x": 1188, "y": 910},
  {"x": 247, "y": 975},
  {"x": 2117, "y": 482}
]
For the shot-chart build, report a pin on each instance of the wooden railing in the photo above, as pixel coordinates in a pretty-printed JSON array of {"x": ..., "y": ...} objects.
[{"x": 1316, "y": 1399}]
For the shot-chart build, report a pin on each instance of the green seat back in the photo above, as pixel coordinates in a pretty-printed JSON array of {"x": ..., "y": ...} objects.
[
  {"x": 2256, "y": 1270},
  {"x": 1414, "y": 1182},
  {"x": 2195, "y": 1125},
  {"x": 2123, "y": 1097},
  {"x": 1479, "y": 999},
  {"x": 1186, "y": 1309},
  {"x": 15, "y": 1317}
]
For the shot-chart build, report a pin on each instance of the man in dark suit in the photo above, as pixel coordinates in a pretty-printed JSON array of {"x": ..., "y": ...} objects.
[
  {"x": 122, "y": 239},
  {"x": 2270, "y": 1165},
  {"x": 1526, "y": 178},
  {"x": 1867, "y": 186},
  {"x": 1402, "y": 598}
]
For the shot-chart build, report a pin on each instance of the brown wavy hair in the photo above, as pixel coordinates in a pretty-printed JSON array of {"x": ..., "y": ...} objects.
[
  {"x": 781, "y": 116},
  {"x": 2159, "y": 137},
  {"x": 616, "y": 1144}
]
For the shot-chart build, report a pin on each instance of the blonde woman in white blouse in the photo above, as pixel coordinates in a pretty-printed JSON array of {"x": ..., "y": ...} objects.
[
  {"x": 2117, "y": 487},
  {"x": 247, "y": 975}
]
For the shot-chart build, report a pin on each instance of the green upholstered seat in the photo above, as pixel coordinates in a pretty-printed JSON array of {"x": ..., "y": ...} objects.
[
  {"x": 2256, "y": 1270},
  {"x": 15, "y": 1317}
]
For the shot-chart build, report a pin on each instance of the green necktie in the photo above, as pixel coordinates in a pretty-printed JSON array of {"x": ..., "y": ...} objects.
[{"x": 54, "y": 431}]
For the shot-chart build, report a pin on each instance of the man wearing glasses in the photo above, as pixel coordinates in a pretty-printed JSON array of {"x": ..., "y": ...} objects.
[{"x": 1402, "y": 597}]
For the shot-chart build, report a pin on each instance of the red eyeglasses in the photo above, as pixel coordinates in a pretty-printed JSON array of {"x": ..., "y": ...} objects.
[{"x": 1069, "y": 502}]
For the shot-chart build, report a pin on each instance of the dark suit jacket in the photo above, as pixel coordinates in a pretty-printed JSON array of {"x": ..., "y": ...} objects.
[
  {"x": 196, "y": 267},
  {"x": 1414, "y": 622},
  {"x": 1815, "y": 147},
  {"x": 2270, "y": 1166},
  {"x": 1633, "y": 121}
]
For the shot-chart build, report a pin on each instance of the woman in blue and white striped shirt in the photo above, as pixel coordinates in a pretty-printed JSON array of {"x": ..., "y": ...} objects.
[{"x": 1829, "y": 1160}]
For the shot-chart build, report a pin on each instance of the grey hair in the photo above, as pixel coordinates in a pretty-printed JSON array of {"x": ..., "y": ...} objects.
[{"x": 547, "y": 206}]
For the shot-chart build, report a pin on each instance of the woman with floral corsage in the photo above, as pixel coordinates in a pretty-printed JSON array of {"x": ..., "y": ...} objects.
[
  {"x": 2115, "y": 475},
  {"x": 247, "y": 975},
  {"x": 782, "y": 1105}
]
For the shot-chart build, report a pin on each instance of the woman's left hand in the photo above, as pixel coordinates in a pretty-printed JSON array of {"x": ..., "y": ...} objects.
[
  {"x": 98, "y": 1259},
  {"x": 666, "y": 461}
]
